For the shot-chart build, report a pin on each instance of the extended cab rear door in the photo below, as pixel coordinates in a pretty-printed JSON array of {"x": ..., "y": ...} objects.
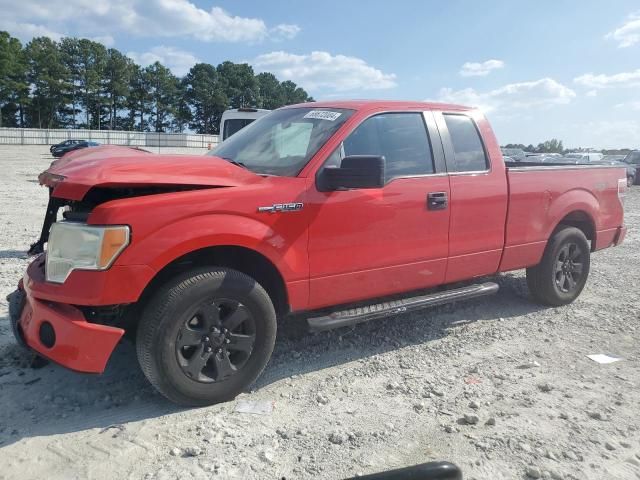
[
  {"x": 479, "y": 194},
  {"x": 366, "y": 243}
]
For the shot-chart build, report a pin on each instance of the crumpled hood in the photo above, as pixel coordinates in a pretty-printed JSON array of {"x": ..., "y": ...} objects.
[{"x": 112, "y": 166}]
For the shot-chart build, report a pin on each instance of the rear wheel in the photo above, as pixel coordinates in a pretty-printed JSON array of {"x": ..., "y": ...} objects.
[
  {"x": 206, "y": 336},
  {"x": 562, "y": 274}
]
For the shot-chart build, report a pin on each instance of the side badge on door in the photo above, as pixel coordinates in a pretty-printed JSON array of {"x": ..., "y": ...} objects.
[{"x": 282, "y": 207}]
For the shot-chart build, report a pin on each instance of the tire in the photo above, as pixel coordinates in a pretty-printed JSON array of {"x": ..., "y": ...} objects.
[
  {"x": 630, "y": 181},
  {"x": 206, "y": 336},
  {"x": 562, "y": 274}
]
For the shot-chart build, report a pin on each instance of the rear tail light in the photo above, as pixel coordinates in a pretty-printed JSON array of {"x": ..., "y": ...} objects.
[{"x": 622, "y": 190}]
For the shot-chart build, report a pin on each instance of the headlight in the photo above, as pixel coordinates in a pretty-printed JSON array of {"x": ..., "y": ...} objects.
[{"x": 77, "y": 246}]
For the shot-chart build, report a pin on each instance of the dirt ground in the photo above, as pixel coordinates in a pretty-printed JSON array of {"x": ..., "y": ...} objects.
[{"x": 386, "y": 394}]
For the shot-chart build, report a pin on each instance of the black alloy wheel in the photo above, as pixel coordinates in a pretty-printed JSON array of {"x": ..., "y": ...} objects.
[
  {"x": 216, "y": 341},
  {"x": 206, "y": 335},
  {"x": 569, "y": 267},
  {"x": 563, "y": 269}
]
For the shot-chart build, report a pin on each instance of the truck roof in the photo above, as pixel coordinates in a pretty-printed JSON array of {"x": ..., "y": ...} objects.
[{"x": 387, "y": 104}]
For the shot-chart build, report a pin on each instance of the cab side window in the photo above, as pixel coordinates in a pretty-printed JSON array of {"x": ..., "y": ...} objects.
[
  {"x": 400, "y": 137},
  {"x": 467, "y": 145}
]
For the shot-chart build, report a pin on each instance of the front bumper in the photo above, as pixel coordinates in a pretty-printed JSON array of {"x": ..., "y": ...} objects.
[{"x": 60, "y": 332}]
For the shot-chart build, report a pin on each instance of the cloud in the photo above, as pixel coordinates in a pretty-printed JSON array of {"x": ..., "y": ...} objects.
[
  {"x": 624, "y": 79},
  {"x": 592, "y": 93},
  {"x": 321, "y": 70},
  {"x": 284, "y": 31},
  {"x": 179, "y": 61},
  {"x": 628, "y": 34},
  {"x": 27, "y": 31},
  {"x": 539, "y": 93},
  {"x": 609, "y": 134},
  {"x": 634, "y": 105},
  {"x": 475, "y": 69},
  {"x": 106, "y": 40},
  {"x": 140, "y": 18}
]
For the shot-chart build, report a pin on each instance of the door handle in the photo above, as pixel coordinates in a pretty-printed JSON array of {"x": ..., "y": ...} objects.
[{"x": 437, "y": 201}]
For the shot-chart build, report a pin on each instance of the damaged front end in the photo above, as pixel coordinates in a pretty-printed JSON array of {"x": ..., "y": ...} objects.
[
  {"x": 78, "y": 211},
  {"x": 80, "y": 182}
]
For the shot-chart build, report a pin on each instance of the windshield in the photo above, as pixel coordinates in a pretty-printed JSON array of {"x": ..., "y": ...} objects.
[
  {"x": 633, "y": 157},
  {"x": 282, "y": 142}
]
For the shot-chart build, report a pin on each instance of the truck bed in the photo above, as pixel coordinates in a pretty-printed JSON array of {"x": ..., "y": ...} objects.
[{"x": 543, "y": 195}]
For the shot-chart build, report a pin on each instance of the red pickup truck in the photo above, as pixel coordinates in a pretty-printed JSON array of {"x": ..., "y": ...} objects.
[{"x": 310, "y": 209}]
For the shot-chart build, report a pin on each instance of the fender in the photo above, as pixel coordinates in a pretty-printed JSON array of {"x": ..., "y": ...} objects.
[
  {"x": 525, "y": 246},
  {"x": 178, "y": 238},
  {"x": 574, "y": 200}
]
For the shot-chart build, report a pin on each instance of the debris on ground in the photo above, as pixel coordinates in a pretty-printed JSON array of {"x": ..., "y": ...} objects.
[
  {"x": 603, "y": 359},
  {"x": 254, "y": 407}
]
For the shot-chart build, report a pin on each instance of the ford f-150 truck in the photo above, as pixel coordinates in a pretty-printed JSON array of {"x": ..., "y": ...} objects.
[{"x": 348, "y": 211}]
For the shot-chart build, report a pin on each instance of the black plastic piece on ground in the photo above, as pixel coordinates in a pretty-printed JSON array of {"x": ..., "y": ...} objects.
[
  {"x": 370, "y": 312},
  {"x": 424, "y": 471},
  {"x": 38, "y": 362}
]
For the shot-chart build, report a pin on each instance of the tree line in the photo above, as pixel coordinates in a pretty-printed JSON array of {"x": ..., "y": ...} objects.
[
  {"x": 548, "y": 146},
  {"x": 555, "y": 146},
  {"x": 79, "y": 83}
]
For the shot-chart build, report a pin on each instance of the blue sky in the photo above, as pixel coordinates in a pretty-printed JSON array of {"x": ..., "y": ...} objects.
[{"x": 543, "y": 69}]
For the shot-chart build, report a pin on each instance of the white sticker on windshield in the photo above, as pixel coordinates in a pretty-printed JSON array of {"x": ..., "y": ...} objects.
[{"x": 323, "y": 115}]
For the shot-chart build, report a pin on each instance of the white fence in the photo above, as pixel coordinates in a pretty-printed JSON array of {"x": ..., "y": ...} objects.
[{"x": 36, "y": 136}]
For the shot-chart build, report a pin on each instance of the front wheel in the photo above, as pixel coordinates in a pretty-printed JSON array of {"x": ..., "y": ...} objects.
[
  {"x": 562, "y": 274},
  {"x": 206, "y": 336}
]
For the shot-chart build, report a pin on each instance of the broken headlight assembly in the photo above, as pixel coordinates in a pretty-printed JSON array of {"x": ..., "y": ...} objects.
[{"x": 78, "y": 246}]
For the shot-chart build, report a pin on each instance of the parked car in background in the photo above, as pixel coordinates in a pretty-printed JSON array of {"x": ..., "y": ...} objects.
[
  {"x": 60, "y": 151},
  {"x": 632, "y": 175},
  {"x": 66, "y": 143},
  {"x": 585, "y": 157},
  {"x": 236, "y": 119},
  {"x": 554, "y": 158},
  {"x": 613, "y": 158},
  {"x": 517, "y": 154},
  {"x": 548, "y": 158},
  {"x": 633, "y": 159}
]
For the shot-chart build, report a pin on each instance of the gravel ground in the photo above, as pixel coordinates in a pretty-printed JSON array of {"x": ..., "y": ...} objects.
[{"x": 500, "y": 386}]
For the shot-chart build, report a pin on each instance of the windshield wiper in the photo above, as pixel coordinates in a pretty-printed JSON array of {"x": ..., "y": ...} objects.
[{"x": 239, "y": 164}]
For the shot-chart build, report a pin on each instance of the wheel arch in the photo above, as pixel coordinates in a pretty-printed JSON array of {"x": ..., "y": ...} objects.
[
  {"x": 243, "y": 259},
  {"x": 577, "y": 208},
  {"x": 581, "y": 220}
]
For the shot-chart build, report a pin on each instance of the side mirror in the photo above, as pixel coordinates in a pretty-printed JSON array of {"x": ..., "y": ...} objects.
[{"x": 355, "y": 171}]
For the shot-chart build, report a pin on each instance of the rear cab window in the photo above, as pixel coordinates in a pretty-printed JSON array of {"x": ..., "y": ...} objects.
[{"x": 468, "y": 149}]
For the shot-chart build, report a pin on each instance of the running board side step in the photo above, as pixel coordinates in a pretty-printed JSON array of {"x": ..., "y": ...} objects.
[{"x": 353, "y": 316}]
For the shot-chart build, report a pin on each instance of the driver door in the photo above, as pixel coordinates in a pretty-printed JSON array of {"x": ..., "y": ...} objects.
[{"x": 366, "y": 243}]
